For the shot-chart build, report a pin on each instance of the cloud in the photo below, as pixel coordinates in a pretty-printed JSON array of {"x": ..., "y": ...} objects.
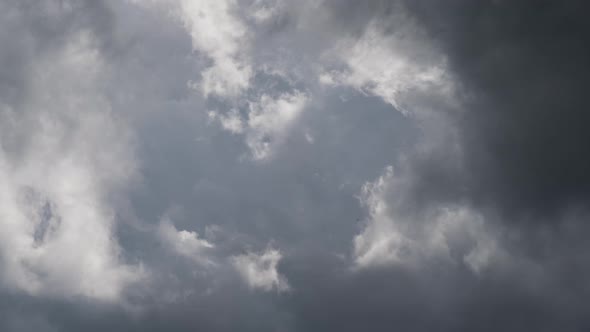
[
  {"x": 395, "y": 235},
  {"x": 270, "y": 119},
  {"x": 223, "y": 36},
  {"x": 57, "y": 221},
  {"x": 277, "y": 119},
  {"x": 392, "y": 63},
  {"x": 231, "y": 122},
  {"x": 524, "y": 106},
  {"x": 264, "y": 10},
  {"x": 184, "y": 243},
  {"x": 259, "y": 270},
  {"x": 267, "y": 121},
  {"x": 218, "y": 33}
]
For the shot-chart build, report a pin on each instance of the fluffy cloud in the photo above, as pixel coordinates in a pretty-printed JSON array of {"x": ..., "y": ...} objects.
[
  {"x": 267, "y": 124},
  {"x": 394, "y": 65},
  {"x": 395, "y": 236},
  {"x": 259, "y": 270},
  {"x": 184, "y": 243},
  {"x": 218, "y": 32},
  {"x": 270, "y": 119},
  {"x": 56, "y": 218}
]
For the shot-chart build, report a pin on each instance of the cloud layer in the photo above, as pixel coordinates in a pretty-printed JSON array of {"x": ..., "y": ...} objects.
[{"x": 268, "y": 165}]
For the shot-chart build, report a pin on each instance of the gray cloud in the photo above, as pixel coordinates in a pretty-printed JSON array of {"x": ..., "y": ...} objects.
[
  {"x": 292, "y": 166},
  {"x": 524, "y": 68}
]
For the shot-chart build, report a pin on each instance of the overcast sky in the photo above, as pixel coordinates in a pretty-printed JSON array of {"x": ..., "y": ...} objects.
[{"x": 294, "y": 166}]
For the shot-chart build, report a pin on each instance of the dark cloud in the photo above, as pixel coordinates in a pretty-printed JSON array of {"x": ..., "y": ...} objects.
[{"x": 524, "y": 70}]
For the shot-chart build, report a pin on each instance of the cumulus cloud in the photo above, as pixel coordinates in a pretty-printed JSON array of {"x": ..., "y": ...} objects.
[
  {"x": 393, "y": 63},
  {"x": 266, "y": 123},
  {"x": 269, "y": 120},
  {"x": 232, "y": 121},
  {"x": 218, "y": 32},
  {"x": 57, "y": 221},
  {"x": 259, "y": 270},
  {"x": 395, "y": 236},
  {"x": 184, "y": 243}
]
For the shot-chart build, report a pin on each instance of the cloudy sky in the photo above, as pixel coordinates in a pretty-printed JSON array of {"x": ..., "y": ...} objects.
[{"x": 294, "y": 166}]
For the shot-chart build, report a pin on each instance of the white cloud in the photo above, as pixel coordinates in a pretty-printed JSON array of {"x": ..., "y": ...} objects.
[
  {"x": 184, "y": 243},
  {"x": 267, "y": 124},
  {"x": 269, "y": 121},
  {"x": 221, "y": 35},
  {"x": 378, "y": 243},
  {"x": 392, "y": 237},
  {"x": 232, "y": 122},
  {"x": 62, "y": 156},
  {"x": 259, "y": 270},
  {"x": 394, "y": 65},
  {"x": 263, "y": 10},
  {"x": 218, "y": 33}
]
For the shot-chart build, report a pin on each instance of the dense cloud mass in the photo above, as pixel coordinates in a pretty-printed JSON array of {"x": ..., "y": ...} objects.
[{"x": 274, "y": 165}]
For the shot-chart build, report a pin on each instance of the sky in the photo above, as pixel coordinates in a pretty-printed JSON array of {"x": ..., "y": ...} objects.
[{"x": 294, "y": 166}]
